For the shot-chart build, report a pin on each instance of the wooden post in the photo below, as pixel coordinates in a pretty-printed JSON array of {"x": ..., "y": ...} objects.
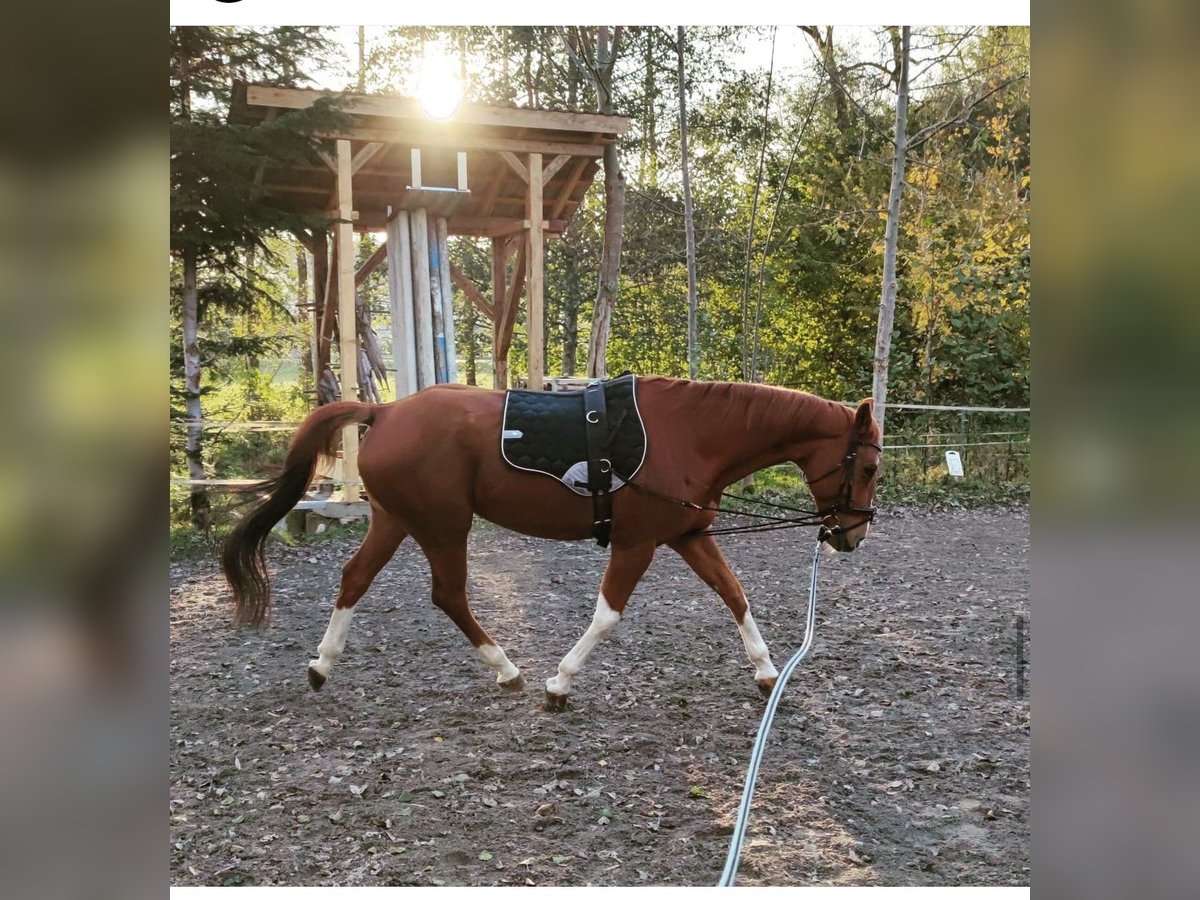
[
  {"x": 435, "y": 299},
  {"x": 416, "y": 167},
  {"x": 422, "y": 310},
  {"x": 535, "y": 313},
  {"x": 499, "y": 291},
  {"x": 443, "y": 243},
  {"x": 404, "y": 351},
  {"x": 348, "y": 330}
]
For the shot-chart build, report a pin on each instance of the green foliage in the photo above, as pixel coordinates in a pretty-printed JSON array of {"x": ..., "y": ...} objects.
[{"x": 962, "y": 333}]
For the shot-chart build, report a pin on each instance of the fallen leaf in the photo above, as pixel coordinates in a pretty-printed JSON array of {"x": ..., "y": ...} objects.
[{"x": 484, "y": 855}]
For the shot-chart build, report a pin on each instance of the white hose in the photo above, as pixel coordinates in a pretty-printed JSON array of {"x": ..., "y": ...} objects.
[{"x": 760, "y": 743}]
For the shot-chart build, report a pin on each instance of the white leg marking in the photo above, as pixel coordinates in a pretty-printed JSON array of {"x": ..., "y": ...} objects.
[
  {"x": 334, "y": 642},
  {"x": 603, "y": 621},
  {"x": 756, "y": 649},
  {"x": 494, "y": 656}
]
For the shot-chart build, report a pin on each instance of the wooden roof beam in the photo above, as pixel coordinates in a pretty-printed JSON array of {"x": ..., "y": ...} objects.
[
  {"x": 395, "y": 107},
  {"x": 456, "y": 140},
  {"x": 496, "y": 226}
]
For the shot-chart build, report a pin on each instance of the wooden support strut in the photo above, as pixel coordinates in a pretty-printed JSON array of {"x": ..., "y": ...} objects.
[
  {"x": 373, "y": 263},
  {"x": 553, "y": 166},
  {"x": 516, "y": 165},
  {"x": 535, "y": 313},
  {"x": 467, "y": 286}
]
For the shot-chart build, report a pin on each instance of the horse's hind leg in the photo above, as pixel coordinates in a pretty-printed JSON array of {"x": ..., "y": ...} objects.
[
  {"x": 704, "y": 556},
  {"x": 448, "y": 565},
  {"x": 383, "y": 537}
]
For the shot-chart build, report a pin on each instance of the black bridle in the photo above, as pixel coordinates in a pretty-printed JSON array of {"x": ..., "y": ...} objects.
[{"x": 842, "y": 504}]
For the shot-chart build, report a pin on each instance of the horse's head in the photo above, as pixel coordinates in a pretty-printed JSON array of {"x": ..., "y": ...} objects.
[{"x": 842, "y": 473}]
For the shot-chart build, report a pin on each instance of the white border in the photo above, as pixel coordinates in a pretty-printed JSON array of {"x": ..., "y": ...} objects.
[
  {"x": 660, "y": 892},
  {"x": 477, "y": 12}
]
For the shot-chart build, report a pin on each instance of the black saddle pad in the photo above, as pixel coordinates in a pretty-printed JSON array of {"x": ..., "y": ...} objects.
[{"x": 544, "y": 431}]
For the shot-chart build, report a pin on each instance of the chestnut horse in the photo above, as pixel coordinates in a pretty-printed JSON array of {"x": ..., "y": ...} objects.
[{"x": 431, "y": 462}]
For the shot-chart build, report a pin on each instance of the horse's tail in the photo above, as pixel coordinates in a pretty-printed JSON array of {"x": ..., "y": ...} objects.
[{"x": 242, "y": 554}]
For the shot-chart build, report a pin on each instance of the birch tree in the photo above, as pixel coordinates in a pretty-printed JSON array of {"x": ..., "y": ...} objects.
[
  {"x": 887, "y": 303},
  {"x": 597, "y": 57},
  {"x": 688, "y": 223}
]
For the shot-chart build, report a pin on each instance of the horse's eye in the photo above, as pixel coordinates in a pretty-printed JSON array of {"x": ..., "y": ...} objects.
[{"x": 870, "y": 471}]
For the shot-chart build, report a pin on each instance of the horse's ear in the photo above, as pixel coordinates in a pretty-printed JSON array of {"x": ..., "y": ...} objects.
[{"x": 864, "y": 417}]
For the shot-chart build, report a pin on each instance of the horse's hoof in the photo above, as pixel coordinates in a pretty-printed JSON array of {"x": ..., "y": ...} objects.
[
  {"x": 555, "y": 702},
  {"x": 765, "y": 686},
  {"x": 513, "y": 684},
  {"x": 315, "y": 679}
]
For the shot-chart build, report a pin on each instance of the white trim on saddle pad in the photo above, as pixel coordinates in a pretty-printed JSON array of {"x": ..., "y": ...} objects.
[{"x": 573, "y": 472}]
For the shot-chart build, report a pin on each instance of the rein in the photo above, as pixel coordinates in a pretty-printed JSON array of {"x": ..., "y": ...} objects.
[{"x": 806, "y": 518}]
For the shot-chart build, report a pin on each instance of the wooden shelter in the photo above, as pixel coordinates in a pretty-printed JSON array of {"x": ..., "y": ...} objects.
[{"x": 514, "y": 175}]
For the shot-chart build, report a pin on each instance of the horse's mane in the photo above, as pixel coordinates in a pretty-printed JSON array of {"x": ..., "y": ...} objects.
[{"x": 763, "y": 407}]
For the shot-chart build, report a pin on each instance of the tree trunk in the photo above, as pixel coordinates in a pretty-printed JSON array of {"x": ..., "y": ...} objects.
[
  {"x": 302, "y": 312},
  {"x": 362, "y": 59},
  {"x": 688, "y": 226},
  {"x": 614, "y": 220},
  {"x": 572, "y": 73},
  {"x": 472, "y": 322},
  {"x": 570, "y": 330},
  {"x": 650, "y": 144},
  {"x": 762, "y": 155},
  {"x": 191, "y": 373},
  {"x": 887, "y": 305},
  {"x": 829, "y": 63}
]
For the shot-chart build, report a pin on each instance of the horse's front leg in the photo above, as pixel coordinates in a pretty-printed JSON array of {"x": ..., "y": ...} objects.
[
  {"x": 704, "y": 556},
  {"x": 625, "y": 570}
]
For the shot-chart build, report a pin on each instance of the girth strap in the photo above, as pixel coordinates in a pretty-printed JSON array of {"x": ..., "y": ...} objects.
[{"x": 599, "y": 468}]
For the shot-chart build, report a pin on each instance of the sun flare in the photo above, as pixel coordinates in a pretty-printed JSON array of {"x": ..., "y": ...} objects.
[{"x": 439, "y": 86}]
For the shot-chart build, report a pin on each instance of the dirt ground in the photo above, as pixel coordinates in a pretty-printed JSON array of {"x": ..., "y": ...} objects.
[{"x": 900, "y": 753}]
